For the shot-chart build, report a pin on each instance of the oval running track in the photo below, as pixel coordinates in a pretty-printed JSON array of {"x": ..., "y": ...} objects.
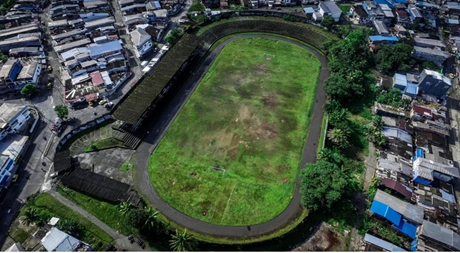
[{"x": 142, "y": 155}]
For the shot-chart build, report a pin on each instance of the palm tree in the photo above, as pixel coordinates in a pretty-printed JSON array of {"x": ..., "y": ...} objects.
[
  {"x": 338, "y": 137},
  {"x": 31, "y": 216},
  {"x": 124, "y": 208},
  {"x": 330, "y": 155},
  {"x": 151, "y": 216},
  {"x": 182, "y": 241}
]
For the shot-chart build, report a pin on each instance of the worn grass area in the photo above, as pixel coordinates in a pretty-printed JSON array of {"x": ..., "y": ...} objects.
[
  {"x": 104, "y": 144},
  {"x": 92, "y": 234},
  {"x": 18, "y": 234},
  {"x": 345, "y": 8},
  {"x": 104, "y": 211},
  {"x": 231, "y": 156},
  {"x": 126, "y": 166}
]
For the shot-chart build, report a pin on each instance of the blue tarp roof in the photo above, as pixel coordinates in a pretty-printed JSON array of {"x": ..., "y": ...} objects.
[
  {"x": 407, "y": 228},
  {"x": 98, "y": 49},
  {"x": 386, "y": 211},
  {"x": 382, "y": 2},
  {"x": 383, "y": 38},
  {"x": 157, "y": 4},
  {"x": 420, "y": 180},
  {"x": 309, "y": 10},
  {"x": 419, "y": 153}
]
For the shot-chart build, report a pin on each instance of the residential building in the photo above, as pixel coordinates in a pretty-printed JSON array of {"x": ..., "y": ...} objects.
[
  {"x": 414, "y": 13},
  {"x": 16, "y": 73},
  {"x": 394, "y": 170},
  {"x": 160, "y": 15},
  {"x": 376, "y": 244},
  {"x": 406, "y": 83},
  {"x": 428, "y": 54},
  {"x": 399, "y": 142},
  {"x": 59, "y": 241},
  {"x": 397, "y": 189},
  {"x": 433, "y": 237},
  {"x": 404, "y": 216},
  {"x": 142, "y": 42},
  {"x": 434, "y": 83},
  {"x": 31, "y": 41},
  {"x": 380, "y": 27},
  {"x": 13, "y": 118},
  {"x": 359, "y": 14},
  {"x": 402, "y": 17},
  {"x": 376, "y": 40},
  {"x": 97, "y": 51},
  {"x": 430, "y": 43},
  {"x": 330, "y": 8},
  {"x": 426, "y": 171}
]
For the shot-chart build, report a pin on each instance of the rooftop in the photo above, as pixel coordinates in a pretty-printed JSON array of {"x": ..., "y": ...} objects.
[
  {"x": 139, "y": 37},
  {"x": 375, "y": 38},
  {"x": 409, "y": 211},
  {"x": 431, "y": 42},
  {"x": 440, "y": 234},
  {"x": 422, "y": 163},
  {"x": 329, "y": 6},
  {"x": 382, "y": 243},
  {"x": 393, "y": 132},
  {"x": 8, "y": 112}
]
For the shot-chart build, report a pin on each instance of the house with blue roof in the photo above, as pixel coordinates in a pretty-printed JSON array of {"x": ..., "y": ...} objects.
[
  {"x": 376, "y": 40},
  {"x": 407, "y": 84},
  {"x": 426, "y": 171},
  {"x": 403, "y": 216}
]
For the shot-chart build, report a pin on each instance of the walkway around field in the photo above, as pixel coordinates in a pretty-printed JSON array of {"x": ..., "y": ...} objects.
[{"x": 142, "y": 182}]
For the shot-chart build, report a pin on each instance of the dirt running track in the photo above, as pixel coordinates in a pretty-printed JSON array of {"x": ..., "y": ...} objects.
[{"x": 141, "y": 177}]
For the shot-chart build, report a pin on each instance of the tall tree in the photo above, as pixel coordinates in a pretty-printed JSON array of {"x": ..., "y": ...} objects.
[
  {"x": 328, "y": 22},
  {"x": 29, "y": 89},
  {"x": 339, "y": 137},
  {"x": 30, "y": 216},
  {"x": 322, "y": 184},
  {"x": 182, "y": 241},
  {"x": 151, "y": 216},
  {"x": 61, "y": 111},
  {"x": 397, "y": 57}
]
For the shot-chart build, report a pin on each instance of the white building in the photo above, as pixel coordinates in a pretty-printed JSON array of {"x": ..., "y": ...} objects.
[
  {"x": 328, "y": 8},
  {"x": 56, "y": 240},
  {"x": 142, "y": 42},
  {"x": 16, "y": 73}
]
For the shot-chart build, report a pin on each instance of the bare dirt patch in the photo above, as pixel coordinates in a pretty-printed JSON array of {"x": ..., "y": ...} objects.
[
  {"x": 324, "y": 239},
  {"x": 261, "y": 70},
  {"x": 270, "y": 101}
]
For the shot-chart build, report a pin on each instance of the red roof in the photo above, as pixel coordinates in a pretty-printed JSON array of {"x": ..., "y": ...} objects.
[
  {"x": 96, "y": 78},
  {"x": 91, "y": 97},
  {"x": 402, "y": 13},
  {"x": 397, "y": 186},
  {"x": 422, "y": 110}
]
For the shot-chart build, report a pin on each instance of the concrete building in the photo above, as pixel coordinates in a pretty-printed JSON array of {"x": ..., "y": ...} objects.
[
  {"x": 13, "y": 118},
  {"x": 434, "y": 83},
  {"x": 433, "y": 237},
  {"x": 56, "y": 240},
  {"x": 429, "y": 54},
  {"x": 16, "y": 73},
  {"x": 330, "y": 8},
  {"x": 141, "y": 41}
]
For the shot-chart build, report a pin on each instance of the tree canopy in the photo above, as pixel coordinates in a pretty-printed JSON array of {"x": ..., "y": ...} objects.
[
  {"x": 328, "y": 22},
  {"x": 397, "y": 57},
  {"x": 61, "y": 111},
  {"x": 29, "y": 89},
  {"x": 174, "y": 36},
  {"x": 322, "y": 184}
]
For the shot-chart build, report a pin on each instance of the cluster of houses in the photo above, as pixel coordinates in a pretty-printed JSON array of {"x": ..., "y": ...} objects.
[
  {"x": 21, "y": 43},
  {"x": 87, "y": 39},
  {"x": 417, "y": 196}
]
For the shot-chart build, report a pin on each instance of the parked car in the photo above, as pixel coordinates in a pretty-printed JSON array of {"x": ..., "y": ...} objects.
[
  {"x": 55, "y": 174},
  {"x": 103, "y": 101},
  {"x": 15, "y": 178}
]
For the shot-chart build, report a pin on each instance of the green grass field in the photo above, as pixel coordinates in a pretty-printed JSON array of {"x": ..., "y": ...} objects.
[{"x": 231, "y": 156}]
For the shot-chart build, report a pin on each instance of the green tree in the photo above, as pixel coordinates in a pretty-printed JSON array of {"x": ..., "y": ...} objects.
[
  {"x": 344, "y": 30},
  {"x": 70, "y": 226},
  {"x": 151, "y": 217},
  {"x": 29, "y": 89},
  {"x": 61, "y": 111},
  {"x": 378, "y": 123},
  {"x": 331, "y": 155},
  {"x": 339, "y": 137},
  {"x": 322, "y": 184},
  {"x": 338, "y": 116},
  {"x": 182, "y": 241},
  {"x": 328, "y": 22},
  {"x": 3, "y": 57},
  {"x": 397, "y": 57},
  {"x": 174, "y": 36},
  {"x": 135, "y": 217},
  {"x": 30, "y": 216},
  {"x": 332, "y": 106},
  {"x": 124, "y": 208}
]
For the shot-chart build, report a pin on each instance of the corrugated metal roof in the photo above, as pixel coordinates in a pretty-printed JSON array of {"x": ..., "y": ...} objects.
[
  {"x": 400, "y": 79},
  {"x": 99, "y": 49},
  {"x": 409, "y": 211},
  {"x": 386, "y": 211},
  {"x": 397, "y": 133},
  {"x": 407, "y": 228},
  {"x": 56, "y": 240},
  {"x": 440, "y": 234},
  {"x": 383, "y": 38},
  {"x": 422, "y": 163},
  {"x": 382, "y": 243}
]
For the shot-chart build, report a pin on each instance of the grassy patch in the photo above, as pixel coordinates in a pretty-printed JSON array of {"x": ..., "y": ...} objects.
[
  {"x": 196, "y": 7},
  {"x": 18, "y": 234},
  {"x": 231, "y": 156},
  {"x": 77, "y": 136},
  {"x": 92, "y": 234},
  {"x": 104, "y": 144},
  {"x": 126, "y": 167},
  {"x": 345, "y": 8},
  {"x": 104, "y": 211}
]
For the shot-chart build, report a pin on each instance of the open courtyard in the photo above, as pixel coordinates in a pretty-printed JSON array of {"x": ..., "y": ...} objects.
[{"x": 231, "y": 156}]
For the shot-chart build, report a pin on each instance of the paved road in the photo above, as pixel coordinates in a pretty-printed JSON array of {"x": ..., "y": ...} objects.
[
  {"x": 143, "y": 185},
  {"x": 85, "y": 214}
]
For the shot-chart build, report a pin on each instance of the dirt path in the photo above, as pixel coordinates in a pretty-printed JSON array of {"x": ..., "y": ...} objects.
[
  {"x": 87, "y": 215},
  {"x": 142, "y": 182}
]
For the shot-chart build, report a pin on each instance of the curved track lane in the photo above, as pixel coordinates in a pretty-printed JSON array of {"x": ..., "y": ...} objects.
[{"x": 142, "y": 155}]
